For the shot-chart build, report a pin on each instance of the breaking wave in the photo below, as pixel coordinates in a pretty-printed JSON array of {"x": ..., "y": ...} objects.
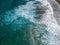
[{"x": 29, "y": 24}]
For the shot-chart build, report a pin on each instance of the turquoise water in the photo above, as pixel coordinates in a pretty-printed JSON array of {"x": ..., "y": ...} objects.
[
  {"x": 10, "y": 4},
  {"x": 18, "y": 25}
]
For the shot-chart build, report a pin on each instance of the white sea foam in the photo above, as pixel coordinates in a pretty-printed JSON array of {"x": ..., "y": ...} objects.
[
  {"x": 27, "y": 11},
  {"x": 52, "y": 27}
]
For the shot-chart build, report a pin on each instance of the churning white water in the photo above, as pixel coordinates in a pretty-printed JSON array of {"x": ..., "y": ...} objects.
[{"x": 39, "y": 12}]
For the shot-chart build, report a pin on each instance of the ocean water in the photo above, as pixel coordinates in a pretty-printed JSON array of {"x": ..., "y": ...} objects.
[{"x": 28, "y": 22}]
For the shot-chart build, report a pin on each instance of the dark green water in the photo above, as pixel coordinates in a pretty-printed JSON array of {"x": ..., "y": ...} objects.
[{"x": 10, "y": 4}]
